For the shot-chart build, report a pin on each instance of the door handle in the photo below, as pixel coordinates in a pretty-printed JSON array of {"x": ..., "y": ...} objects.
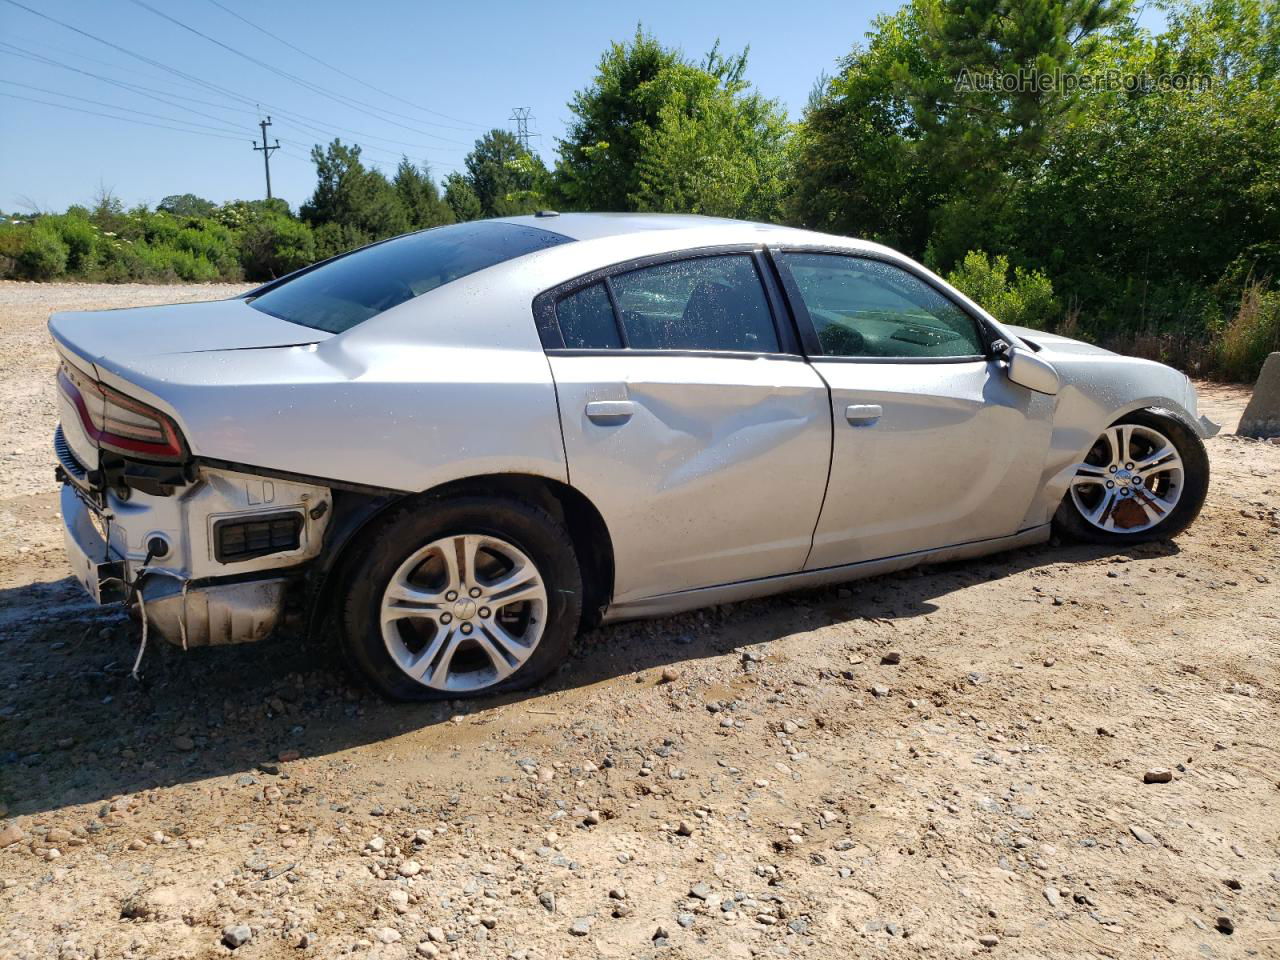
[
  {"x": 863, "y": 414},
  {"x": 610, "y": 411}
]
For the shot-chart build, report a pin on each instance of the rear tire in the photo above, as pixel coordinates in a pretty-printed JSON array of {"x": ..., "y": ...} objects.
[
  {"x": 1144, "y": 479},
  {"x": 461, "y": 597}
]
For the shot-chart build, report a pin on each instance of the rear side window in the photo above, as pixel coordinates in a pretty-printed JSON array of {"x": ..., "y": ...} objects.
[
  {"x": 349, "y": 290},
  {"x": 586, "y": 320},
  {"x": 706, "y": 303}
]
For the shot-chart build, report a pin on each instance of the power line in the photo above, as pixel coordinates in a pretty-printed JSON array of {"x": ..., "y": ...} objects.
[
  {"x": 135, "y": 89},
  {"x": 111, "y": 106},
  {"x": 130, "y": 53},
  {"x": 95, "y": 113},
  {"x": 467, "y": 125},
  {"x": 315, "y": 88},
  {"x": 102, "y": 63},
  {"x": 223, "y": 91},
  {"x": 324, "y": 130}
]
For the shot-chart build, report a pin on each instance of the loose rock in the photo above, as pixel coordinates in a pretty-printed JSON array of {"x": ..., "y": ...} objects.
[
  {"x": 1143, "y": 836},
  {"x": 237, "y": 935}
]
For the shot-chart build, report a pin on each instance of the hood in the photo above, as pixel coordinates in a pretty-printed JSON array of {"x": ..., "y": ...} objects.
[
  {"x": 1052, "y": 343},
  {"x": 116, "y": 338}
]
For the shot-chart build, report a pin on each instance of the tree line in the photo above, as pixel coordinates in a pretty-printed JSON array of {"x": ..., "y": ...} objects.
[{"x": 1069, "y": 169}]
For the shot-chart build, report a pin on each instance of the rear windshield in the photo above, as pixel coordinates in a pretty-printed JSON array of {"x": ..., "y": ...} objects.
[{"x": 349, "y": 290}]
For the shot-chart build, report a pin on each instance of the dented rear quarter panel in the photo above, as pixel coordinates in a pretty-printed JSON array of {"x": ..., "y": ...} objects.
[{"x": 403, "y": 407}]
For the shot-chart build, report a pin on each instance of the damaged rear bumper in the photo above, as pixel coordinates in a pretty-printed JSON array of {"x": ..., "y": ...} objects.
[
  {"x": 234, "y": 547},
  {"x": 187, "y": 614}
]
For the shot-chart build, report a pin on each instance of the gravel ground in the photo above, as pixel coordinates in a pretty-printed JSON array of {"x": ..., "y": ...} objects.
[{"x": 945, "y": 762}]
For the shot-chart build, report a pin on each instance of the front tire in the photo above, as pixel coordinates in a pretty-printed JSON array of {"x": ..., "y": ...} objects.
[
  {"x": 461, "y": 597},
  {"x": 1144, "y": 479}
]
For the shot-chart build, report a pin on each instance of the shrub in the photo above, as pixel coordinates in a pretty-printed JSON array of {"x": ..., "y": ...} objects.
[
  {"x": 81, "y": 238},
  {"x": 158, "y": 229},
  {"x": 273, "y": 244},
  {"x": 1024, "y": 299},
  {"x": 187, "y": 266},
  {"x": 1251, "y": 334},
  {"x": 212, "y": 243},
  {"x": 43, "y": 255},
  {"x": 12, "y": 239}
]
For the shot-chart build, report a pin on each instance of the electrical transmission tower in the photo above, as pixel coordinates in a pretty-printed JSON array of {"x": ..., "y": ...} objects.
[
  {"x": 522, "y": 116},
  {"x": 267, "y": 150}
]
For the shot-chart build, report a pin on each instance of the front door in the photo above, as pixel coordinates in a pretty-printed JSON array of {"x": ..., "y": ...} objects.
[
  {"x": 701, "y": 438},
  {"x": 933, "y": 445}
]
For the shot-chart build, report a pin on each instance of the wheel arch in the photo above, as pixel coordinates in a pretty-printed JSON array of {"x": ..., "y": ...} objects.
[
  {"x": 355, "y": 513},
  {"x": 1157, "y": 410}
]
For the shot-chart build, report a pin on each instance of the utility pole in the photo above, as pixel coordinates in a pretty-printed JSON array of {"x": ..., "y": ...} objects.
[
  {"x": 522, "y": 116},
  {"x": 267, "y": 150}
]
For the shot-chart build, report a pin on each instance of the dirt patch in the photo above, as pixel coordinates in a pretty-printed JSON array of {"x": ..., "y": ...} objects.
[{"x": 787, "y": 792}]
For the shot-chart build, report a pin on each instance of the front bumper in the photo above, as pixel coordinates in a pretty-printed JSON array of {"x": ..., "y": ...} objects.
[{"x": 208, "y": 613}]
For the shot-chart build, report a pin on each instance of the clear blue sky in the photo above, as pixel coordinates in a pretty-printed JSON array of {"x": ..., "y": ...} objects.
[{"x": 472, "y": 61}]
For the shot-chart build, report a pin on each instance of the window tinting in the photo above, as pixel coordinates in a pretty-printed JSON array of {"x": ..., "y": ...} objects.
[
  {"x": 866, "y": 308},
  {"x": 586, "y": 319},
  {"x": 349, "y": 290},
  {"x": 705, "y": 303}
]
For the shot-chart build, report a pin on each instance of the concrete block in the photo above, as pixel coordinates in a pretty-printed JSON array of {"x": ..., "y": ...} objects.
[{"x": 1262, "y": 417}]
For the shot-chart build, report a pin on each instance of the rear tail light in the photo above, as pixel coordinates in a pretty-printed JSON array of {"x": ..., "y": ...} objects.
[{"x": 120, "y": 423}]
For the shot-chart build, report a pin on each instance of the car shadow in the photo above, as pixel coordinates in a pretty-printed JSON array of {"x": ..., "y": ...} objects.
[{"x": 76, "y": 728}]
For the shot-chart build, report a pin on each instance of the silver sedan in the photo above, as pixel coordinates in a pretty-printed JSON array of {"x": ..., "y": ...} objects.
[{"x": 461, "y": 446}]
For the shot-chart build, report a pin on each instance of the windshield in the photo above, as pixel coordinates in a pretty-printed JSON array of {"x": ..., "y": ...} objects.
[{"x": 337, "y": 295}]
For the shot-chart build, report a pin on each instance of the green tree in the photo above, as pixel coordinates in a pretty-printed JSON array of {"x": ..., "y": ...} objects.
[
  {"x": 718, "y": 148},
  {"x": 505, "y": 177},
  {"x": 187, "y": 205},
  {"x": 599, "y": 158},
  {"x": 1157, "y": 205},
  {"x": 351, "y": 205},
  {"x": 461, "y": 198},
  {"x": 980, "y": 139},
  {"x": 420, "y": 197},
  {"x": 655, "y": 131},
  {"x": 856, "y": 163}
]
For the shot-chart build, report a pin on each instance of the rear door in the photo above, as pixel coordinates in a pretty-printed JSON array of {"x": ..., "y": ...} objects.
[
  {"x": 690, "y": 419},
  {"x": 933, "y": 445}
]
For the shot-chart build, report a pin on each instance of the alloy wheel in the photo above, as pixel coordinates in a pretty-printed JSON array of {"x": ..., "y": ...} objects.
[
  {"x": 464, "y": 612},
  {"x": 1131, "y": 480}
]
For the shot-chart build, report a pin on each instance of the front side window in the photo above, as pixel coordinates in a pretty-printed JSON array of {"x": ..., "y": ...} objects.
[
  {"x": 349, "y": 290},
  {"x": 867, "y": 308},
  {"x": 704, "y": 303}
]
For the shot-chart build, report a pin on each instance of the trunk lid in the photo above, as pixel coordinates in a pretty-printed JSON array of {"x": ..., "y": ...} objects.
[
  {"x": 114, "y": 338},
  {"x": 138, "y": 351}
]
